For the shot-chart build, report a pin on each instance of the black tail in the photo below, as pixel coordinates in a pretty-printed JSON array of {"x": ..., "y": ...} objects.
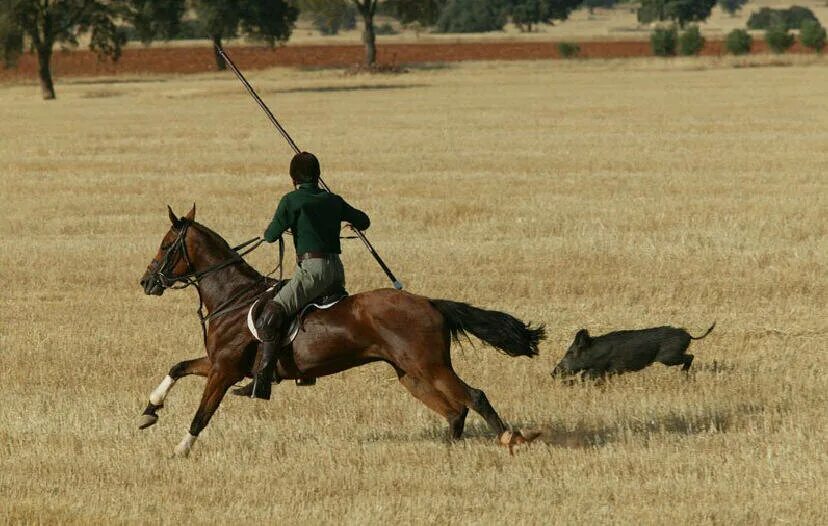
[
  {"x": 500, "y": 330},
  {"x": 703, "y": 335}
]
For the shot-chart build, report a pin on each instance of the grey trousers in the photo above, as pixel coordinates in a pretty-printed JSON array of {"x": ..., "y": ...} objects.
[{"x": 313, "y": 278}]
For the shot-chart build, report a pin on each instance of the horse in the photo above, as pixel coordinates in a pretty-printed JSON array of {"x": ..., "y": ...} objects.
[{"x": 411, "y": 333}]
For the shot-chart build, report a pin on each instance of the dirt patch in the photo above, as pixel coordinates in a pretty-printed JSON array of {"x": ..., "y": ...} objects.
[{"x": 84, "y": 63}]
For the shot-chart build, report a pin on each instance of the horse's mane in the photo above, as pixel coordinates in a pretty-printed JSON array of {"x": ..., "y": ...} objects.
[{"x": 220, "y": 243}]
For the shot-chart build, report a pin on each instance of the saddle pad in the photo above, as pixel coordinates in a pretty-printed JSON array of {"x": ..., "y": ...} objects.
[{"x": 295, "y": 322}]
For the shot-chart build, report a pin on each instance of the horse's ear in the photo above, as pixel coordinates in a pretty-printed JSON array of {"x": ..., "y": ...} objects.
[
  {"x": 173, "y": 219},
  {"x": 191, "y": 214}
]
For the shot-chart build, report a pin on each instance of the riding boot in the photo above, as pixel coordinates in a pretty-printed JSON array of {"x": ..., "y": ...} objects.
[{"x": 264, "y": 378}]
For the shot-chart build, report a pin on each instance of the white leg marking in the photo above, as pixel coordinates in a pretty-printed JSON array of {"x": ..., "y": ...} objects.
[
  {"x": 183, "y": 448},
  {"x": 157, "y": 397}
]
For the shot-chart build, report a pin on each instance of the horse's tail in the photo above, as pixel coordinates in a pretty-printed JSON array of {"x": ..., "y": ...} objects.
[{"x": 498, "y": 329}]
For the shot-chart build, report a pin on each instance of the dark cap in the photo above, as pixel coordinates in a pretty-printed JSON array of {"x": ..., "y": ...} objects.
[{"x": 304, "y": 168}]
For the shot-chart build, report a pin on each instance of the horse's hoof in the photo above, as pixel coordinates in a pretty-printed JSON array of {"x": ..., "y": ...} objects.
[
  {"x": 182, "y": 450},
  {"x": 147, "y": 420},
  {"x": 246, "y": 390},
  {"x": 515, "y": 439}
]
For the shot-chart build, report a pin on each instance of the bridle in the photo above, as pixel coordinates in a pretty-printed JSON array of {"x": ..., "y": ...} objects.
[{"x": 178, "y": 250}]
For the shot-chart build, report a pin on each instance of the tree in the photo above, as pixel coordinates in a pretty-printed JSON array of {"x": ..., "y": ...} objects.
[
  {"x": 679, "y": 11},
  {"x": 731, "y": 6},
  {"x": 691, "y": 41},
  {"x": 268, "y": 20},
  {"x": 367, "y": 9},
  {"x": 44, "y": 23},
  {"x": 422, "y": 12},
  {"x": 156, "y": 18},
  {"x": 738, "y": 42},
  {"x": 472, "y": 16},
  {"x": 790, "y": 18},
  {"x": 329, "y": 16},
  {"x": 527, "y": 12},
  {"x": 664, "y": 41},
  {"x": 778, "y": 38},
  {"x": 812, "y": 35}
]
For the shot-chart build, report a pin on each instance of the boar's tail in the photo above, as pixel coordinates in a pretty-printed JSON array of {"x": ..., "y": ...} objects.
[
  {"x": 705, "y": 334},
  {"x": 498, "y": 329}
]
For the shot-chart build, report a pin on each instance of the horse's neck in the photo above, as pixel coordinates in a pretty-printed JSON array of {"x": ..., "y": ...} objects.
[{"x": 223, "y": 284}]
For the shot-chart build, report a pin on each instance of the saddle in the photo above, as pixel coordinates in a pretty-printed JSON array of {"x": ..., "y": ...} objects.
[{"x": 323, "y": 302}]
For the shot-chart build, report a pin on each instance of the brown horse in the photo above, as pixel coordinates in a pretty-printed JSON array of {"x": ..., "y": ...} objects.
[{"x": 411, "y": 333}]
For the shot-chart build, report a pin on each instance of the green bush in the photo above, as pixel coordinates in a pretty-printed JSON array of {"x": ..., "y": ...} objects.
[
  {"x": 779, "y": 39},
  {"x": 812, "y": 35},
  {"x": 738, "y": 42},
  {"x": 568, "y": 49},
  {"x": 691, "y": 41},
  {"x": 791, "y": 18},
  {"x": 471, "y": 16},
  {"x": 663, "y": 41}
]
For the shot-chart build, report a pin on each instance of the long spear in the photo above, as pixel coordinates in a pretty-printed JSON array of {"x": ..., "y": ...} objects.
[{"x": 397, "y": 284}]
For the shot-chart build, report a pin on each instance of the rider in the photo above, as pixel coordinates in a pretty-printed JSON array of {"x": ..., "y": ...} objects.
[{"x": 314, "y": 216}]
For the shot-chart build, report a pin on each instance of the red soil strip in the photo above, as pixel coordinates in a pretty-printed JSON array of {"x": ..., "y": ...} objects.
[{"x": 200, "y": 59}]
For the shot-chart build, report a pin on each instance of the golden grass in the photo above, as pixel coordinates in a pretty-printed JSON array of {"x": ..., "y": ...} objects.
[{"x": 604, "y": 195}]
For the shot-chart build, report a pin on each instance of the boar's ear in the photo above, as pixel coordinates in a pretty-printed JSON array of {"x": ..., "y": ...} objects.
[{"x": 582, "y": 338}]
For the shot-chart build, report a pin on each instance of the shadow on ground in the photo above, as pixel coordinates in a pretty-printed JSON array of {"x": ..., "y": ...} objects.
[
  {"x": 585, "y": 436},
  {"x": 339, "y": 89}
]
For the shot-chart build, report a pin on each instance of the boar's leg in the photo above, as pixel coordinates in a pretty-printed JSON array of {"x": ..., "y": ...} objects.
[
  {"x": 594, "y": 374},
  {"x": 676, "y": 358}
]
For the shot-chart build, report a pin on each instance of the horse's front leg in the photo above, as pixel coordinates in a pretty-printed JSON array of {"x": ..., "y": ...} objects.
[
  {"x": 221, "y": 377},
  {"x": 199, "y": 366}
]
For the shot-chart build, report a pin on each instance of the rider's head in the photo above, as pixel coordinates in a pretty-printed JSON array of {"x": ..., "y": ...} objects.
[{"x": 304, "y": 168}]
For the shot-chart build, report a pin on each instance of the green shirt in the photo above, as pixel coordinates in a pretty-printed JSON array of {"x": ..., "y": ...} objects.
[{"x": 315, "y": 218}]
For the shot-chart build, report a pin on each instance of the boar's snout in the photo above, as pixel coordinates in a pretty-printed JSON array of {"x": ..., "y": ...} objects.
[{"x": 562, "y": 371}]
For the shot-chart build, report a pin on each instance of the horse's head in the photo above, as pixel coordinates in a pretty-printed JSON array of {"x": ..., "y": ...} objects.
[{"x": 172, "y": 261}]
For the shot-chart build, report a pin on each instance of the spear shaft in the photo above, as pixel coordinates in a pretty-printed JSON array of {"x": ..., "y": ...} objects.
[{"x": 397, "y": 284}]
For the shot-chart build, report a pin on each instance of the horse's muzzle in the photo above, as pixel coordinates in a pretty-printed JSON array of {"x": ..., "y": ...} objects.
[{"x": 151, "y": 285}]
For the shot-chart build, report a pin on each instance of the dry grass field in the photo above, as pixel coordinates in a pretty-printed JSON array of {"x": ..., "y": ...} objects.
[{"x": 598, "y": 194}]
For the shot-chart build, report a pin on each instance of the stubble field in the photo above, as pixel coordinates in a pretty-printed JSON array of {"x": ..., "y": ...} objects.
[{"x": 595, "y": 194}]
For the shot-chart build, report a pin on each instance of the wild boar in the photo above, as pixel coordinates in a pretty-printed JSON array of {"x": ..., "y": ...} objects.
[{"x": 622, "y": 351}]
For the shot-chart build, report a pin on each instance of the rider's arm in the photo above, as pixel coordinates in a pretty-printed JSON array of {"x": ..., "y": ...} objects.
[
  {"x": 279, "y": 224},
  {"x": 355, "y": 217}
]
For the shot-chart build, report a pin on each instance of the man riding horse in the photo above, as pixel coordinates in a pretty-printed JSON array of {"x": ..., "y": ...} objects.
[{"x": 314, "y": 216}]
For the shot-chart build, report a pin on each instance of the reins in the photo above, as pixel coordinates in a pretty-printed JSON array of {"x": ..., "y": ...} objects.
[{"x": 193, "y": 277}]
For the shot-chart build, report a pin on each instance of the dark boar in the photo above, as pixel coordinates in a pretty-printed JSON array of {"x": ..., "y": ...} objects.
[{"x": 622, "y": 351}]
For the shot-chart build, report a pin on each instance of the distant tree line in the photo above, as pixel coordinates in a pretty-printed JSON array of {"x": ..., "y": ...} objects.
[
  {"x": 777, "y": 23},
  {"x": 40, "y": 25}
]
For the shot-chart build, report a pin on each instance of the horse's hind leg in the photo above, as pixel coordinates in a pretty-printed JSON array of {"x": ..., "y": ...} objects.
[
  {"x": 447, "y": 382},
  {"x": 454, "y": 413},
  {"x": 199, "y": 366}
]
